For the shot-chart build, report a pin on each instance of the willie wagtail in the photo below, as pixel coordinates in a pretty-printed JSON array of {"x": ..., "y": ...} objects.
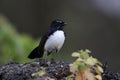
[{"x": 51, "y": 41}]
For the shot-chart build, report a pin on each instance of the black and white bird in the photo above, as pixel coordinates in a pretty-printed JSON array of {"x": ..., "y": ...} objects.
[{"x": 52, "y": 40}]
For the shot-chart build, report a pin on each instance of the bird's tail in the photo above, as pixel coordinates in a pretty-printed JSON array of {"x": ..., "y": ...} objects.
[{"x": 36, "y": 53}]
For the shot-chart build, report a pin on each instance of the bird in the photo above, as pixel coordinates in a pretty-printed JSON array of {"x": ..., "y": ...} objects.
[{"x": 51, "y": 41}]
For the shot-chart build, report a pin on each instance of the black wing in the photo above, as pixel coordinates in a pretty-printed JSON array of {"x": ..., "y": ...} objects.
[
  {"x": 43, "y": 41},
  {"x": 39, "y": 51}
]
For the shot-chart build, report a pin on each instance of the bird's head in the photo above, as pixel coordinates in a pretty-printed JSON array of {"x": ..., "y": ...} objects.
[{"x": 58, "y": 24}]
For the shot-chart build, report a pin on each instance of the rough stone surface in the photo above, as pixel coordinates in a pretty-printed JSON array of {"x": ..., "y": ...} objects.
[
  {"x": 55, "y": 70},
  {"x": 15, "y": 71}
]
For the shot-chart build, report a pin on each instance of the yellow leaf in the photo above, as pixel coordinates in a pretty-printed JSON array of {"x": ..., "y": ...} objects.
[{"x": 98, "y": 77}]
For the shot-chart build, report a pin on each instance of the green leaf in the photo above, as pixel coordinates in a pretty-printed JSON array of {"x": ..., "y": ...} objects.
[
  {"x": 70, "y": 77},
  {"x": 91, "y": 61},
  {"x": 84, "y": 55},
  {"x": 75, "y": 54},
  {"x": 40, "y": 73},
  {"x": 82, "y": 66},
  {"x": 80, "y": 59},
  {"x": 73, "y": 67}
]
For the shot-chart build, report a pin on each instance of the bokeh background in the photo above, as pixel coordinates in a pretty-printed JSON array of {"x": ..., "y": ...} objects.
[{"x": 92, "y": 24}]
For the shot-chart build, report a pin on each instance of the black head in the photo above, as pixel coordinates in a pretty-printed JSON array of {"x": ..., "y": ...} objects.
[{"x": 58, "y": 24}]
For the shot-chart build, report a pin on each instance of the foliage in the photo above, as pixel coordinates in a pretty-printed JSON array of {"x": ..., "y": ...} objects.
[
  {"x": 14, "y": 46},
  {"x": 85, "y": 66},
  {"x": 39, "y": 73}
]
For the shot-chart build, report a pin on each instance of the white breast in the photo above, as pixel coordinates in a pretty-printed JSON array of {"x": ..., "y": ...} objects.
[{"x": 55, "y": 41}]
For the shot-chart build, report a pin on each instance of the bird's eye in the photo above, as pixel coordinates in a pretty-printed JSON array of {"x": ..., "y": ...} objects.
[{"x": 59, "y": 22}]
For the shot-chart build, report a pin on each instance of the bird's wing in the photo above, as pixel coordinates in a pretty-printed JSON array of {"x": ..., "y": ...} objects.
[
  {"x": 43, "y": 41},
  {"x": 38, "y": 52}
]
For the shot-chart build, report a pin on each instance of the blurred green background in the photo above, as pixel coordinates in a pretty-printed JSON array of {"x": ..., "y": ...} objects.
[
  {"x": 14, "y": 46},
  {"x": 92, "y": 24}
]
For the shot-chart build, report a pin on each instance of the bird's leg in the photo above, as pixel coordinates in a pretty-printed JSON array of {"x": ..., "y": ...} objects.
[
  {"x": 10, "y": 59},
  {"x": 56, "y": 51},
  {"x": 58, "y": 56},
  {"x": 38, "y": 60},
  {"x": 48, "y": 53},
  {"x": 45, "y": 57}
]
